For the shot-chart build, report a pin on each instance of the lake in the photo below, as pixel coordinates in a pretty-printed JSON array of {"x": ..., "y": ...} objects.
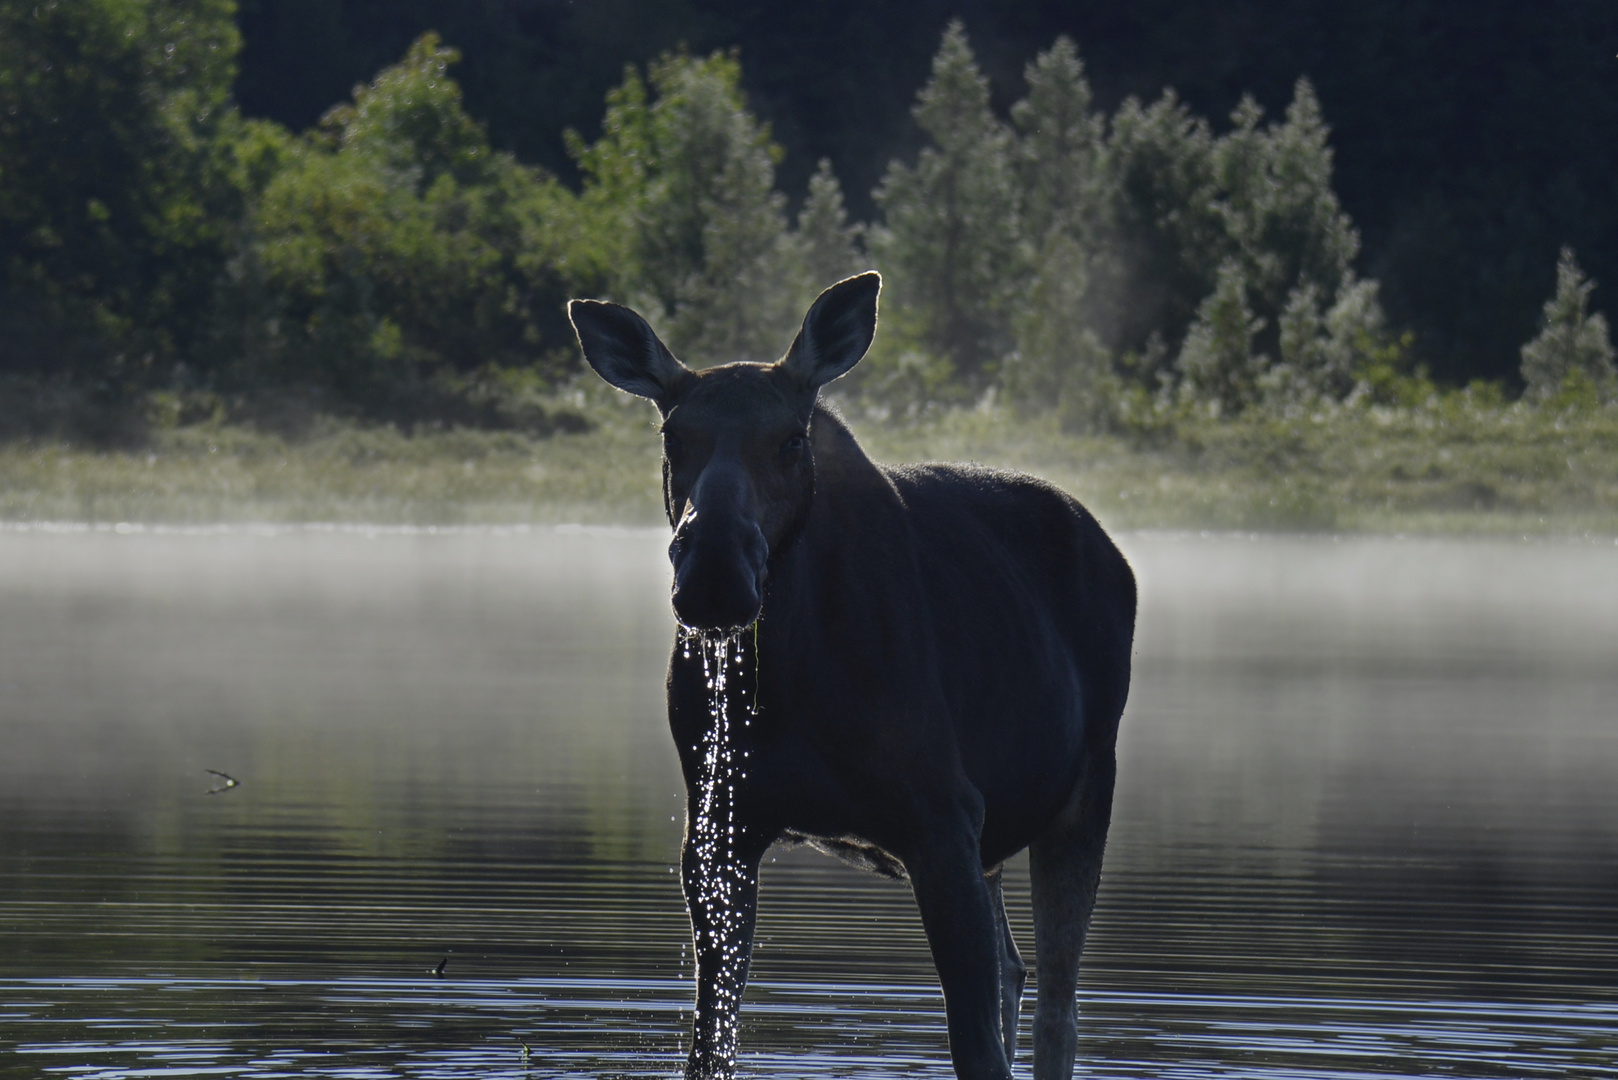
[{"x": 1366, "y": 821}]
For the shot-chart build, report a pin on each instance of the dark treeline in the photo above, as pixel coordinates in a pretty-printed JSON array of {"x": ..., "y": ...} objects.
[
  {"x": 1473, "y": 137},
  {"x": 402, "y": 251}
]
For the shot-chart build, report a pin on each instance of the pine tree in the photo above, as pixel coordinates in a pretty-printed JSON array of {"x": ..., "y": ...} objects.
[
  {"x": 949, "y": 245},
  {"x": 1165, "y": 229},
  {"x": 1060, "y": 362},
  {"x": 1280, "y": 211},
  {"x": 1573, "y": 344},
  {"x": 827, "y": 242},
  {"x": 1217, "y": 365},
  {"x": 1059, "y": 155},
  {"x": 1322, "y": 348}
]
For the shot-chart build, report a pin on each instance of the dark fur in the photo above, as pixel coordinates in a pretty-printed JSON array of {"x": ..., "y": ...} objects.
[{"x": 940, "y": 662}]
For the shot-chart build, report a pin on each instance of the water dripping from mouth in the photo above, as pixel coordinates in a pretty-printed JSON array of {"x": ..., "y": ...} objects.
[{"x": 719, "y": 874}]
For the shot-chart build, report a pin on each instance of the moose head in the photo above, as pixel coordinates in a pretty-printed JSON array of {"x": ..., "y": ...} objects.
[{"x": 738, "y": 451}]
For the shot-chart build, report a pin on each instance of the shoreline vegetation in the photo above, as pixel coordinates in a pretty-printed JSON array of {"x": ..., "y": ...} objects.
[
  {"x": 227, "y": 321},
  {"x": 1455, "y": 465}
]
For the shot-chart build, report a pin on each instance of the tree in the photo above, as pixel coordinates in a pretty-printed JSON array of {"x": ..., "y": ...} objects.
[
  {"x": 395, "y": 248},
  {"x": 119, "y": 188},
  {"x": 1324, "y": 348},
  {"x": 1060, "y": 362},
  {"x": 1217, "y": 365},
  {"x": 682, "y": 188},
  {"x": 1058, "y": 158},
  {"x": 1282, "y": 217},
  {"x": 1164, "y": 223},
  {"x": 828, "y": 243},
  {"x": 1573, "y": 344},
  {"x": 949, "y": 242}
]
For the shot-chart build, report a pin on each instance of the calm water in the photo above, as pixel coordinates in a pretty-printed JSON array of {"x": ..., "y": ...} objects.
[{"x": 1366, "y": 824}]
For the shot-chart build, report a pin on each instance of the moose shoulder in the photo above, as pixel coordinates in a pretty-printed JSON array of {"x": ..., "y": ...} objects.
[{"x": 938, "y": 659}]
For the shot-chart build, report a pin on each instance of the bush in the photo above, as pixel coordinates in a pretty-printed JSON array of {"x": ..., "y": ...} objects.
[{"x": 394, "y": 253}]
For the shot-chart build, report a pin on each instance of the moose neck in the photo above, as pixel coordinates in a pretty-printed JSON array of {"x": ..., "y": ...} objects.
[{"x": 850, "y": 544}]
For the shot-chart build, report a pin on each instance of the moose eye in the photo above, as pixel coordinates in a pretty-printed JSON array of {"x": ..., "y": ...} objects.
[
  {"x": 672, "y": 449},
  {"x": 793, "y": 447}
]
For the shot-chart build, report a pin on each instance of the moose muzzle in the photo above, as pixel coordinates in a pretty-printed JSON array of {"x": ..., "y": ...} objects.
[{"x": 719, "y": 553}]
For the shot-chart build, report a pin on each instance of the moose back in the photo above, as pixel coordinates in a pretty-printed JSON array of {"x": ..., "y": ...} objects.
[{"x": 934, "y": 657}]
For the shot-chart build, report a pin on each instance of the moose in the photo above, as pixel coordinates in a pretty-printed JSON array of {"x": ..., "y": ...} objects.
[{"x": 938, "y": 657}]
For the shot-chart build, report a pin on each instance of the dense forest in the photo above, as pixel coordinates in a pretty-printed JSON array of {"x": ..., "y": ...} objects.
[
  {"x": 299, "y": 208},
  {"x": 1474, "y": 138}
]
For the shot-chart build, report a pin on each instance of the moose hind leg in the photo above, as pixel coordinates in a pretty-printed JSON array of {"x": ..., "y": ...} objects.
[
  {"x": 1013, "y": 972},
  {"x": 1064, "y": 867}
]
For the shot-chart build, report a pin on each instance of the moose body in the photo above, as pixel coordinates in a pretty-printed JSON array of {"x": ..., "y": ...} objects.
[{"x": 937, "y": 662}]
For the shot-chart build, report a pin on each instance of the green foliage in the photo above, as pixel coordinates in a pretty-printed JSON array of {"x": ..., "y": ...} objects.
[
  {"x": 1217, "y": 366},
  {"x": 1059, "y": 157},
  {"x": 394, "y": 252},
  {"x": 828, "y": 244},
  {"x": 681, "y": 188},
  {"x": 1059, "y": 363},
  {"x": 1572, "y": 358},
  {"x": 1323, "y": 350},
  {"x": 949, "y": 245},
  {"x": 1280, "y": 212},
  {"x": 1163, "y": 221},
  {"x": 119, "y": 194}
]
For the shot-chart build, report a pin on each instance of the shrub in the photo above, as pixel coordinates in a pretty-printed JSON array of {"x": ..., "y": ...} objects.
[{"x": 394, "y": 250}]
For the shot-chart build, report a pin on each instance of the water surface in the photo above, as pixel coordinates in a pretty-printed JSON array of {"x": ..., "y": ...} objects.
[{"x": 1366, "y": 822}]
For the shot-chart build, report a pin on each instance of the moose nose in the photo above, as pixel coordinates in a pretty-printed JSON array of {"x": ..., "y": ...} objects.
[{"x": 719, "y": 555}]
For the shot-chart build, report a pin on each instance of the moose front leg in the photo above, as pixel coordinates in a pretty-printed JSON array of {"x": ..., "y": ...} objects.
[
  {"x": 721, "y": 895},
  {"x": 958, "y": 913}
]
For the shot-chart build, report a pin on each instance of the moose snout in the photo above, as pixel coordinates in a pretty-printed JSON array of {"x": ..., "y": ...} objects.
[{"x": 718, "y": 573}]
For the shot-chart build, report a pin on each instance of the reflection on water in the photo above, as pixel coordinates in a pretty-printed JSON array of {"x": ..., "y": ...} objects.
[{"x": 1366, "y": 822}]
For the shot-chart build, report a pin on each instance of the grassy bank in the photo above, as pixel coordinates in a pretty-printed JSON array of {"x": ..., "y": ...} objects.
[{"x": 1453, "y": 468}]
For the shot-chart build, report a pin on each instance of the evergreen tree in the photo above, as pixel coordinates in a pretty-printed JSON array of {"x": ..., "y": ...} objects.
[
  {"x": 1323, "y": 348},
  {"x": 1573, "y": 345},
  {"x": 1218, "y": 368},
  {"x": 949, "y": 243},
  {"x": 828, "y": 244},
  {"x": 1164, "y": 224},
  {"x": 1060, "y": 364},
  {"x": 1282, "y": 217},
  {"x": 682, "y": 182},
  {"x": 1059, "y": 156},
  {"x": 1059, "y": 360}
]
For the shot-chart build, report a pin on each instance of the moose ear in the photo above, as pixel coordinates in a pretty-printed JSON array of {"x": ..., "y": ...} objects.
[
  {"x": 624, "y": 350},
  {"x": 836, "y": 332}
]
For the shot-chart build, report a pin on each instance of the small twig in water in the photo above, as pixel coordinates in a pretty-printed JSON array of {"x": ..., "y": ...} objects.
[
  {"x": 439, "y": 970},
  {"x": 229, "y": 782},
  {"x": 526, "y": 1050}
]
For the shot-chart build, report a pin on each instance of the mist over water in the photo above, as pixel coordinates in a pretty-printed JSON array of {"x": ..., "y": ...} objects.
[{"x": 1366, "y": 822}]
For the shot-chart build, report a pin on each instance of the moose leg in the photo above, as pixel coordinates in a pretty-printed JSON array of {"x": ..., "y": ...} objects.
[
  {"x": 958, "y": 913},
  {"x": 1013, "y": 972},
  {"x": 1064, "y": 867},
  {"x": 722, "y": 899}
]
